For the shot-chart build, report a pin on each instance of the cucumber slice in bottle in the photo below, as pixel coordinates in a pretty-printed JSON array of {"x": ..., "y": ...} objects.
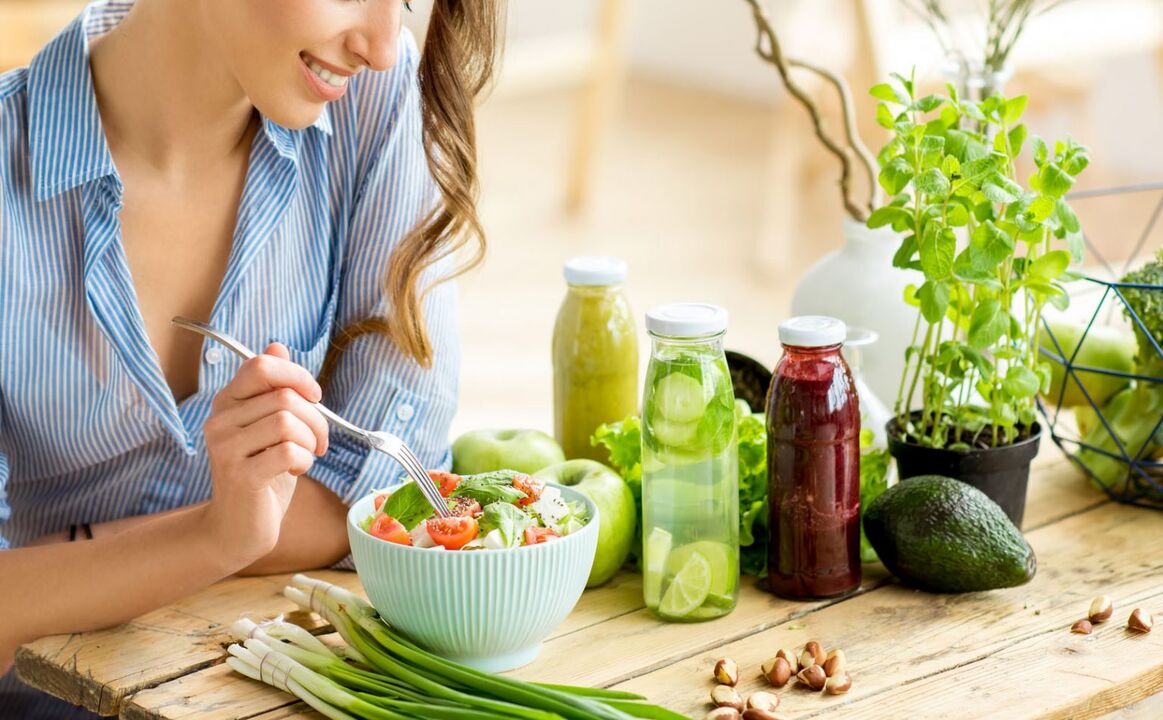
[
  {"x": 657, "y": 550},
  {"x": 673, "y": 433},
  {"x": 679, "y": 398}
]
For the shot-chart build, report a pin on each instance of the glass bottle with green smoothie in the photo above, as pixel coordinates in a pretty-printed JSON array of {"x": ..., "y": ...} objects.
[
  {"x": 595, "y": 355},
  {"x": 690, "y": 482}
]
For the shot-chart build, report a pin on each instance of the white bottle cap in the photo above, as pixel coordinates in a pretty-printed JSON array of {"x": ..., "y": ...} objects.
[
  {"x": 686, "y": 320},
  {"x": 812, "y": 331},
  {"x": 595, "y": 270}
]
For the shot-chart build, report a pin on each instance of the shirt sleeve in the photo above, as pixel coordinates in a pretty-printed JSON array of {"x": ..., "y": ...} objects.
[
  {"x": 5, "y": 510},
  {"x": 374, "y": 384}
]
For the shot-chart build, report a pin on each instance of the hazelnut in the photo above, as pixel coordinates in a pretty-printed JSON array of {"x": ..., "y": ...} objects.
[
  {"x": 722, "y": 713},
  {"x": 793, "y": 662},
  {"x": 835, "y": 663},
  {"x": 813, "y": 676},
  {"x": 1101, "y": 609},
  {"x": 763, "y": 700},
  {"x": 1140, "y": 621},
  {"x": 1082, "y": 627},
  {"x": 838, "y": 684},
  {"x": 726, "y": 696},
  {"x": 727, "y": 672},
  {"x": 757, "y": 714},
  {"x": 813, "y": 654},
  {"x": 777, "y": 671}
]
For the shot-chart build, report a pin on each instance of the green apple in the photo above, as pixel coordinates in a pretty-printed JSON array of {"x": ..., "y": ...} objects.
[
  {"x": 526, "y": 451},
  {"x": 1106, "y": 348},
  {"x": 617, "y": 513}
]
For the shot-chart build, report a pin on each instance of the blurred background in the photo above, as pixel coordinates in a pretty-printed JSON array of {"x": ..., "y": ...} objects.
[{"x": 650, "y": 129}]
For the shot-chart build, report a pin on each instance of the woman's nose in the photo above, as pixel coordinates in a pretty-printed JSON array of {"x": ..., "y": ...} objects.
[{"x": 374, "y": 42}]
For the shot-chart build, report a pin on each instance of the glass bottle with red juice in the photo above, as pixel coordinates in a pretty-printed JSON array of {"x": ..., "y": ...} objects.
[{"x": 813, "y": 464}]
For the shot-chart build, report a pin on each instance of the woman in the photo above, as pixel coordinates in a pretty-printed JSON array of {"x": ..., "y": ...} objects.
[{"x": 298, "y": 174}]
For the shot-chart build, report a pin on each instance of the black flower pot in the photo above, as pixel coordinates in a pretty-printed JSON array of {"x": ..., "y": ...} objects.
[{"x": 1002, "y": 473}]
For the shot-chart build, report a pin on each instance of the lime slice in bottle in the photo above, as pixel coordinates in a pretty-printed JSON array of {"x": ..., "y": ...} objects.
[
  {"x": 688, "y": 589},
  {"x": 679, "y": 398},
  {"x": 715, "y": 600},
  {"x": 717, "y": 554},
  {"x": 654, "y": 566}
]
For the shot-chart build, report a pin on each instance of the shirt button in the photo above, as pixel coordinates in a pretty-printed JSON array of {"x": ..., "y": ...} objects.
[
  {"x": 213, "y": 356},
  {"x": 405, "y": 412}
]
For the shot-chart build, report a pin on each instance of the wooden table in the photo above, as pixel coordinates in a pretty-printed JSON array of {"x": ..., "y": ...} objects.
[{"x": 996, "y": 654}]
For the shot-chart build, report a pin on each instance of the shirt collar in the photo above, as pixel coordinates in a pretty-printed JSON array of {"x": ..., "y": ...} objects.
[{"x": 66, "y": 140}]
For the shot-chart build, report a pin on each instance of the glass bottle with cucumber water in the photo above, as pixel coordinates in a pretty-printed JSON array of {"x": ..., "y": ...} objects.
[{"x": 690, "y": 493}]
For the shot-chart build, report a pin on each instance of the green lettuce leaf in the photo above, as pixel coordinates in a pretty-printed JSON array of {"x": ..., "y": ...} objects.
[
  {"x": 506, "y": 518},
  {"x": 489, "y": 487},
  {"x": 873, "y": 481}
]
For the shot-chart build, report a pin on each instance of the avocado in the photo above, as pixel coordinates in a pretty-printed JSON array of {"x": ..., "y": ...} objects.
[{"x": 941, "y": 535}]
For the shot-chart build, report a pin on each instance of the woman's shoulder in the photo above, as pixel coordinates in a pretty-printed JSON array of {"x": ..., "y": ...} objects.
[
  {"x": 13, "y": 85},
  {"x": 13, "y": 116}
]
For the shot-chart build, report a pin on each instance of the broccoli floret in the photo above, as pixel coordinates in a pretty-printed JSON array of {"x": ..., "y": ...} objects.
[{"x": 1134, "y": 414}]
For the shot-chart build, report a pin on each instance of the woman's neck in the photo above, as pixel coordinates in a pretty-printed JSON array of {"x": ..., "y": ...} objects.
[{"x": 166, "y": 98}]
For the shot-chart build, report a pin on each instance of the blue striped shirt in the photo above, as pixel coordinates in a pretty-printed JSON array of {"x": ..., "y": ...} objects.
[{"x": 89, "y": 429}]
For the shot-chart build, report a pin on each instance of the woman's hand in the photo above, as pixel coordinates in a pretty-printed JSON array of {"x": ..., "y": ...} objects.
[{"x": 262, "y": 434}]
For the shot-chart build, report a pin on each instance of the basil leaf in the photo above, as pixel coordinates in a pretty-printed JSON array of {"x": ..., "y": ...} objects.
[{"x": 407, "y": 504}]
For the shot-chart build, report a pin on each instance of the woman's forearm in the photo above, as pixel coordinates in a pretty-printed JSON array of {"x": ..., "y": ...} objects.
[
  {"x": 74, "y": 587},
  {"x": 313, "y": 535}
]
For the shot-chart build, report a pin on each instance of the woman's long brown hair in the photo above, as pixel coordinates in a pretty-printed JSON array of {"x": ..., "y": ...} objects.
[{"x": 460, "y": 51}]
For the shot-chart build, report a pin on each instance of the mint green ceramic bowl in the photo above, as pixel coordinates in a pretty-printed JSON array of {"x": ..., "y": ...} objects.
[{"x": 490, "y": 609}]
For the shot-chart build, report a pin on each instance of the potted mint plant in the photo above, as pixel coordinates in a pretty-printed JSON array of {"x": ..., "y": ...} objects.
[{"x": 990, "y": 253}]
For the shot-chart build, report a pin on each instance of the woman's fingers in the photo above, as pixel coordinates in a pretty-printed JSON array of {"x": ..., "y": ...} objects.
[
  {"x": 266, "y": 372},
  {"x": 286, "y": 457},
  {"x": 279, "y": 427},
  {"x": 250, "y": 411}
]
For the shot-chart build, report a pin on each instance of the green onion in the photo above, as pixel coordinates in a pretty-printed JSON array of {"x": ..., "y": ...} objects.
[{"x": 381, "y": 675}]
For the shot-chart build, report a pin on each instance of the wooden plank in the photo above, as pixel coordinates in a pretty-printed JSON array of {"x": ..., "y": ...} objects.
[
  {"x": 1149, "y": 709},
  {"x": 298, "y": 711},
  {"x": 1053, "y": 675},
  {"x": 1058, "y": 489},
  {"x": 895, "y": 636},
  {"x": 97, "y": 670}
]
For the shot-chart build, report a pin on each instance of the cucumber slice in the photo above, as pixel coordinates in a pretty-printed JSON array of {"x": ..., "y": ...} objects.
[
  {"x": 679, "y": 398},
  {"x": 673, "y": 433},
  {"x": 657, "y": 550}
]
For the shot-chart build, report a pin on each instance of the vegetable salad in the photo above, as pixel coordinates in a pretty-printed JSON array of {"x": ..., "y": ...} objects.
[{"x": 490, "y": 511}]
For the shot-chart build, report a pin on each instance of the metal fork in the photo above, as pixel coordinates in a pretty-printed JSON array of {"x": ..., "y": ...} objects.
[{"x": 384, "y": 442}]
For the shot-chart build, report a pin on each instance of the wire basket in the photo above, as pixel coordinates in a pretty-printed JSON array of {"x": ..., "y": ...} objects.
[{"x": 1117, "y": 440}]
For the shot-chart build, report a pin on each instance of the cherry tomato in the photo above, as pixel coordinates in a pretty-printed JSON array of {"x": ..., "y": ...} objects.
[
  {"x": 532, "y": 488},
  {"x": 465, "y": 507},
  {"x": 446, "y": 481},
  {"x": 386, "y": 527},
  {"x": 535, "y": 535},
  {"x": 452, "y": 532},
  {"x": 379, "y": 501}
]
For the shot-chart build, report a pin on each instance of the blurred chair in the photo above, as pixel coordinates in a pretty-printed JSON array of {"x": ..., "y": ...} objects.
[
  {"x": 27, "y": 25},
  {"x": 602, "y": 86}
]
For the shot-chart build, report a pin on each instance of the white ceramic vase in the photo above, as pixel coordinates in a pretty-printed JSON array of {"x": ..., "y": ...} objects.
[{"x": 859, "y": 285}]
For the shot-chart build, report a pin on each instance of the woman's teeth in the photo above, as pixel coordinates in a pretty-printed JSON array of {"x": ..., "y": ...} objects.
[{"x": 326, "y": 75}]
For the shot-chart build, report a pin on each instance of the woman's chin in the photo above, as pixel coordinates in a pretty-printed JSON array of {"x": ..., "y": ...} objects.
[{"x": 300, "y": 115}]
